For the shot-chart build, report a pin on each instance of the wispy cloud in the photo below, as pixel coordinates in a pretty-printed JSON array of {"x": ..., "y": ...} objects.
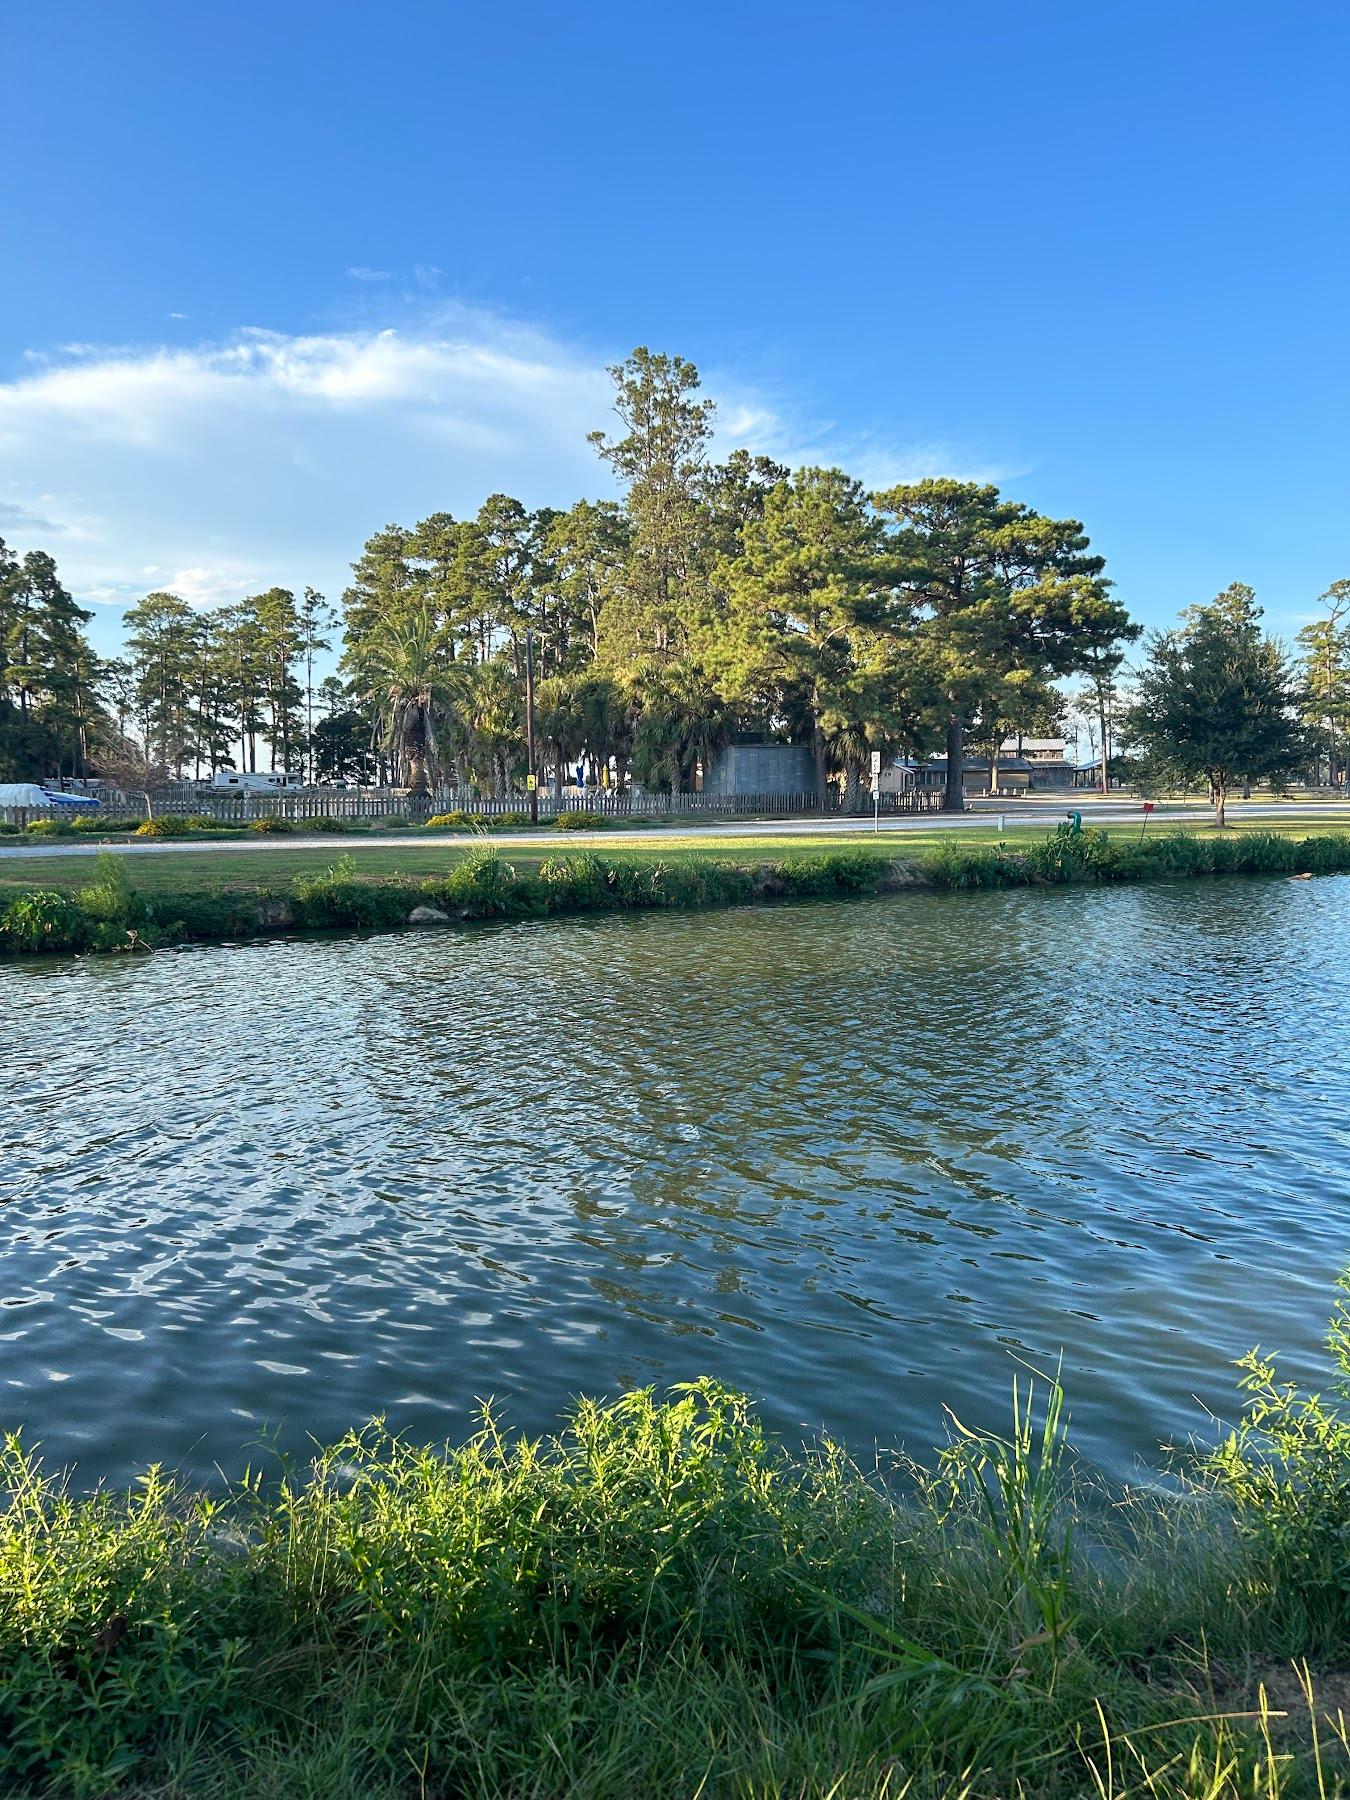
[
  {"x": 14, "y": 517},
  {"x": 780, "y": 429},
  {"x": 265, "y": 457},
  {"x": 361, "y": 273}
]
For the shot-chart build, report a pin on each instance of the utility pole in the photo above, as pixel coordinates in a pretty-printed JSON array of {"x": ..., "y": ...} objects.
[{"x": 531, "y": 781}]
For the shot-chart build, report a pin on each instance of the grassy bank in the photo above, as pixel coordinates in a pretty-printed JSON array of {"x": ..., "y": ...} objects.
[
  {"x": 233, "y": 868},
  {"x": 216, "y": 861},
  {"x": 661, "y": 1601},
  {"x": 108, "y": 914}
]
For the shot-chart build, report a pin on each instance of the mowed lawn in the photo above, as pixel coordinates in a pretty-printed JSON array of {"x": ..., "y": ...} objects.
[
  {"x": 235, "y": 866},
  {"x": 239, "y": 865}
]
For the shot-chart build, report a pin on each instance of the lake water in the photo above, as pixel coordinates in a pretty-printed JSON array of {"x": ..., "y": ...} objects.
[{"x": 860, "y": 1160}]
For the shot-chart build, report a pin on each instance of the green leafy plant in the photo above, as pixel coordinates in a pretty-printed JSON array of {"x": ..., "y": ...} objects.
[
  {"x": 575, "y": 883},
  {"x": 586, "y": 821},
  {"x": 167, "y": 827},
  {"x": 1285, "y": 1469},
  {"x": 483, "y": 885},
  {"x": 1014, "y": 1488},
  {"x": 272, "y": 826},
  {"x": 952, "y": 865},
  {"x": 338, "y": 897},
  {"x": 118, "y": 918},
  {"x": 830, "y": 873},
  {"x": 658, "y": 1599},
  {"x": 43, "y": 921},
  {"x": 108, "y": 825}
]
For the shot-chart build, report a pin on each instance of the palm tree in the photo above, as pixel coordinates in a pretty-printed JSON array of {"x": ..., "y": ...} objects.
[
  {"x": 848, "y": 743},
  {"x": 405, "y": 676},
  {"x": 492, "y": 717},
  {"x": 560, "y": 719},
  {"x": 609, "y": 707},
  {"x": 684, "y": 722}
]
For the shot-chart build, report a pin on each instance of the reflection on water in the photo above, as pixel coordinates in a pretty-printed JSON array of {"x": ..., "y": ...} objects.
[{"x": 858, "y": 1159}]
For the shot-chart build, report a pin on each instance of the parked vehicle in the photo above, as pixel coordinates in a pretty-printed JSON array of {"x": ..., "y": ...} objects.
[
  {"x": 29, "y": 794},
  {"x": 244, "y": 781}
]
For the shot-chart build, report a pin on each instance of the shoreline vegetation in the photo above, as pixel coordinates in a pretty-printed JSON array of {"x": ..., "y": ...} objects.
[
  {"x": 664, "y": 1600},
  {"x": 106, "y": 914}
]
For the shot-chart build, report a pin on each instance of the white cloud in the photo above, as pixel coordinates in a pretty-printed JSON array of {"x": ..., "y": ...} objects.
[
  {"x": 220, "y": 467},
  {"x": 805, "y": 443},
  {"x": 361, "y": 273}
]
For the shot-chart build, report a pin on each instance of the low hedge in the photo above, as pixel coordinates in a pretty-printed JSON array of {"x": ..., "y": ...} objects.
[{"x": 1067, "y": 855}]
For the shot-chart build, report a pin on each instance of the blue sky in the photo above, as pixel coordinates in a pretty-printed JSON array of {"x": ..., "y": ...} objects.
[{"x": 278, "y": 274}]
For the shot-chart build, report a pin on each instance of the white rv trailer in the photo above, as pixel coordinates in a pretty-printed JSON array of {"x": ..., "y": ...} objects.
[{"x": 244, "y": 781}]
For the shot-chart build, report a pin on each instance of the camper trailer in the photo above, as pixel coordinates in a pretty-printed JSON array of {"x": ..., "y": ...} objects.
[{"x": 242, "y": 781}]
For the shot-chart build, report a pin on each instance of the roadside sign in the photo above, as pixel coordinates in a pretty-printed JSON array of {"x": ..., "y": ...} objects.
[
  {"x": 531, "y": 783},
  {"x": 876, "y": 764},
  {"x": 1148, "y": 806}
]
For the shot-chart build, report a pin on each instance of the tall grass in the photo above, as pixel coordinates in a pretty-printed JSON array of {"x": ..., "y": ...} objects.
[{"x": 661, "y": 1600}]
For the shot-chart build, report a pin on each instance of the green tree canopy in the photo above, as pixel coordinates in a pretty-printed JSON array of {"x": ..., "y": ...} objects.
[
  {"x": 1009, "y": 598},
  {"x": 659, "y": 459},
  {"x": 49, "y": 677},
  {"x": 1324, "y": 700},
  {"x": 1216, "y": 700}
]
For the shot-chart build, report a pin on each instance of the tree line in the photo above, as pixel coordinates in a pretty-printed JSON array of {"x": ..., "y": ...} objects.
[
  {"x": 714, "y": 600},
  {"x": 719, "y": 599}
]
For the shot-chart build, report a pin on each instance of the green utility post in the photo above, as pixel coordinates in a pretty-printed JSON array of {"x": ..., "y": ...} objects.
[{"x": 1075, "y": 822}]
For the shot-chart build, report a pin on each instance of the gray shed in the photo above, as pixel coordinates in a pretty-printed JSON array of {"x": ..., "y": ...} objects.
[{"x": 761, "y": 769}]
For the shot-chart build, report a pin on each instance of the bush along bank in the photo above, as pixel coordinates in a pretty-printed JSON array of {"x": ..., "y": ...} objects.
[
  {"x": 663, "y": 1601},
  {"x": 108, "y": 915},
  {"x": 1067, "y": 855}
]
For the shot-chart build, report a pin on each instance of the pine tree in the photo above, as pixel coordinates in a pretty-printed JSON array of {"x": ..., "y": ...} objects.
[
  {"x": 660, "y": 460},
  {"x": 1325, "y": 699},
  {"x": 163, "y": 637},
  {"x": 48, "y": 674},
  {"x": 1217, "y": 700}
]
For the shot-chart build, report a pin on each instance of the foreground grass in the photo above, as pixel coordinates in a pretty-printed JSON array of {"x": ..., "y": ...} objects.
[{"x": 662, "y": 1601}]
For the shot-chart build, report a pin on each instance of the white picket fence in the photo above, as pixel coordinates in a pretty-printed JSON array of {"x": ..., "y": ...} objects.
[{"x": 316, "y": 803}]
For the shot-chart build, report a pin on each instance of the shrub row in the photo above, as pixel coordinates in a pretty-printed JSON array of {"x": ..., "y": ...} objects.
[
  {"x": 107, "y": 915},
  {"x": 185, "y": 825},
  {"x": 1093, "y": 855}
]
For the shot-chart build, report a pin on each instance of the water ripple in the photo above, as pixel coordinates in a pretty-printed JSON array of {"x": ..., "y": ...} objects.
[{"x": 856, "y": 1159}]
